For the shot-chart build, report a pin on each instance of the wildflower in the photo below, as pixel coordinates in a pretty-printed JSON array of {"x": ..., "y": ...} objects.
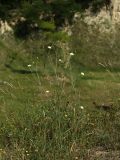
[
  {"x": 72, "y": 54},
  {"x": 47, "y": 91},
  {"x": 81, "y": 107},
  {"x": 49, "y": 47},
  {"x": 29, "y": 65},
  {"x": 60, "y": 60},
  {"x": 66, "y": 115},
  {"x": 82, "y": 73}
]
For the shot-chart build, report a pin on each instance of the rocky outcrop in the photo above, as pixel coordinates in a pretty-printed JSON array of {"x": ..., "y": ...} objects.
[
  {"x": 116, "y": 10},
  {"x": 106, "y": 19},
  {"x": 5, "y": 27}
]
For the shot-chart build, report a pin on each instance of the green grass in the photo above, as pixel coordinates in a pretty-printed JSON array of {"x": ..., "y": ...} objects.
[
  {"x": 47, "y": 111},
  {"x": 36, "y": 125}
]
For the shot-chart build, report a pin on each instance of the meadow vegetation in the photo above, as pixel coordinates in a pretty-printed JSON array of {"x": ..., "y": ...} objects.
[{"x": 48, "y": 84}]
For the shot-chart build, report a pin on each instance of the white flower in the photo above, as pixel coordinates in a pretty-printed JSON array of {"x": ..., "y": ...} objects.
[
  {"x": 29, "y": 65},
  {"x": 72, "y": 54},
  {"x": 47, "y": 91},
  {"x": 66, "y": 115},
  {"x": 60, "y": 60},
  {"x": 49, "y": 47},
  {"x": 82, "y": 73},
  {"x": 81, "y": 107}
]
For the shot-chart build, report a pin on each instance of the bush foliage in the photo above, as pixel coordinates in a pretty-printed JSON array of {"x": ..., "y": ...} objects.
[{"x": 48, "y": 14}]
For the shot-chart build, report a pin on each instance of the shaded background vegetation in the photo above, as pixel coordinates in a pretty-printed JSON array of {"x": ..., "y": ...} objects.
[{"x": 48, "y": 14}]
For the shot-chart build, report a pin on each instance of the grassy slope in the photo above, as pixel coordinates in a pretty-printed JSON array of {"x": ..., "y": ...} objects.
[
  {"x": 37, "y": 124},
  {"x": 40, "y": 125}
]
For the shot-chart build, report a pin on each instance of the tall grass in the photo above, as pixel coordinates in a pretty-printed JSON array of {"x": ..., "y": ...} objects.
[
  {"x": 93, "y": 46},
  {"x": 48, "y": 114}
]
